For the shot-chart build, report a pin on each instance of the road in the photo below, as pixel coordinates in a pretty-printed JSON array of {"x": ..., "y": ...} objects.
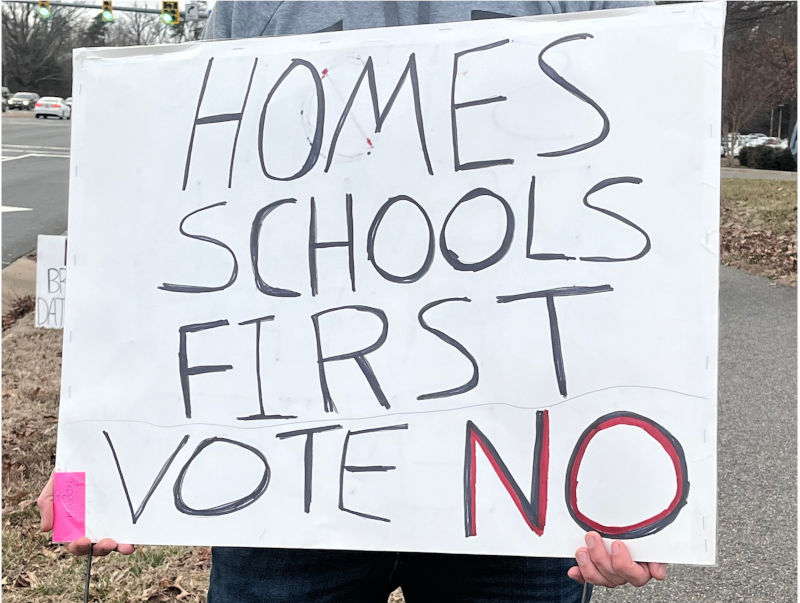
[
  {"x": 757, "y": 174},
  {"x": 35, "y": 158}
]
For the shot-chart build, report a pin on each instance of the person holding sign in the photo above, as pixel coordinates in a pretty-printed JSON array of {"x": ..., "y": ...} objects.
[{"x": 251, "y": 574}]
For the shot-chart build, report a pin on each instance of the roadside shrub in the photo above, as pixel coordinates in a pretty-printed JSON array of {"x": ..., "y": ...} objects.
[
  {"x": 784, "y": 160},
  {"x": 744, "y": 153},
  {"x": 761, "y": 157},
  {"x": 764, "y": 157}
]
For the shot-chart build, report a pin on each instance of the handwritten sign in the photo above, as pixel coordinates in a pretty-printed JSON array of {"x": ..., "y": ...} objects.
[
  {"x": 51, "y": 280},
  {"x": 442, "y": 288}
]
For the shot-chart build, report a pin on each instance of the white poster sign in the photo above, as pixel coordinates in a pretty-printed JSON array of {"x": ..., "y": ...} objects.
[
  {"x": 51, "y": 281},
  {"x": 441, "y": 288}
]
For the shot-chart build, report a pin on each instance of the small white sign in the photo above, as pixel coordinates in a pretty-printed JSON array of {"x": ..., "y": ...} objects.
[{"x": 51, "y": 281}]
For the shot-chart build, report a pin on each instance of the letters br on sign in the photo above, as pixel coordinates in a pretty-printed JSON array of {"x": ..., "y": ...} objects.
[
  {"x": 51, "y": 281},
  {"x": 439, "y": 288}
]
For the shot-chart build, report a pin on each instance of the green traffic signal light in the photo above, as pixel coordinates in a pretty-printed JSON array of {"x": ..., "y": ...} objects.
[
  {"x": 43, "y": 10},
  {"x": 108, "y": 11},
  {"x": 170, "y": 13}
]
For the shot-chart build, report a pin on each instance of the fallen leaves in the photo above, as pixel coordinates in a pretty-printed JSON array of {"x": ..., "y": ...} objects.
[
  {"x": 167, "y": 589},
  {"x": 19, "y": 308},
  {"x": 26, "y": 580},
  {"x": 758, "y": 251}
]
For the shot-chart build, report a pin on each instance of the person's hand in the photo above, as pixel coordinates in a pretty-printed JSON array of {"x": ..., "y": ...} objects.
[
  {"x": 81, "y": 545},
  {"x": 598, "y": 567}
]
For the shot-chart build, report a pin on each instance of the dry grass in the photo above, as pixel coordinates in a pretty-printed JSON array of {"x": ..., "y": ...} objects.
[{"x": 759, "y": 227}]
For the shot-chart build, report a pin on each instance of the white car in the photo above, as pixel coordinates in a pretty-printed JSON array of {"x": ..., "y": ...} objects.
[
  {"x": 52, "y": 105},
  {"x": 735, "y": 142}
]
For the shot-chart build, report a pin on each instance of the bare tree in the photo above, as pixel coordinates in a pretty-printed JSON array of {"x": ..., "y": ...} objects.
[
  {"x": 137, "y": 29},
  {"x": 746, "y": 16},
  {"x": 759, "y": 62},
  {"x": 37, "y": 54}
]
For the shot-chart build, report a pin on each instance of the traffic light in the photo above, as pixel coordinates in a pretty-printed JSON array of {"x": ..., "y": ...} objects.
[
  {"x": 108, "y": 11},
  {"x": 44, "y": 10},
  {"x": 170, "y": 13}
]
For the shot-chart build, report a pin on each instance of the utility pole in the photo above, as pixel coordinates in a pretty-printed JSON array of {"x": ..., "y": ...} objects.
[{"x": 771, "y": 115}]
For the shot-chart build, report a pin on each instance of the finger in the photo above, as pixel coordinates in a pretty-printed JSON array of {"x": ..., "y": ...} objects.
[
  {"x": 108, "y": 545},
  {"x": 104, "y": 547},
  {"x": 575, "y": 573},
  {"x": 626, "y": 568},
  {"x": 601, "y": 559},
  {"x": 658, "y": 570},
  {"x": 589, "y": 571},
  {"x": 45, "y": 504},
  {"x": 80, "y": 546}
]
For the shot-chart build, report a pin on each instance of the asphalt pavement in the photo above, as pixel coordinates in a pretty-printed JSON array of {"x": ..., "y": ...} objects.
[
  {"x": 750, "y": 174},
  {"x": 757, "y": 443},
  {"x": 35, "y": 187}
]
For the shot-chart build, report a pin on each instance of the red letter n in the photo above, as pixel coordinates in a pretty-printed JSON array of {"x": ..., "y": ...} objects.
[{"x": 533, "y": 510}]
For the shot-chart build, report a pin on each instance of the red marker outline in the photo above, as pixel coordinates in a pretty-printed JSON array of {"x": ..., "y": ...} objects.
[
  {"x": 670, "y": 445},
  {"x": 533, "y": 511}
]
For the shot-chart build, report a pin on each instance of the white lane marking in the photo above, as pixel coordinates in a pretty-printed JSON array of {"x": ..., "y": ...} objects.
[
  {"x": 34, "y": 146},
  {"x": 11, "y": 208},
  {"x": 5, "y": 159},
  {"x": 58, "y": 123}
]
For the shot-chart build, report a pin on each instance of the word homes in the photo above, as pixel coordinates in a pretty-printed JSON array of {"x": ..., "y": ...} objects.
[{"x": 400, "y": 99}]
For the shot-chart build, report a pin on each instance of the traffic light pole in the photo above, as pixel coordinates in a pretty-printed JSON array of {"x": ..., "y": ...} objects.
[{"x": 132, "y": 9}]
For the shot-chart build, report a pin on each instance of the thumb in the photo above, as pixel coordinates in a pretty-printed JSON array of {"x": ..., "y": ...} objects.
[
  {"x": 45, "y": 505},
  {"x": 658, "y": 570}
]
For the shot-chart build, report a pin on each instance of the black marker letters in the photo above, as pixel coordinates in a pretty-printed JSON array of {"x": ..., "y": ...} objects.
[
  {"x": 358, "y": 355},
  {"x": 215, "y": 119},
  {"x": 362, "y": 468},
  {"x": 553, "y": 75},
  {"x": 555, "y": 338},
  {"x": 200, "y": 288},
  {"x": 473, "y": 381},
  {"x": 185, "y": 371},
  {"x": 454, "y": 106},
  {"x": 316, "y": 144},
  {"x": 381, "y": 115}
]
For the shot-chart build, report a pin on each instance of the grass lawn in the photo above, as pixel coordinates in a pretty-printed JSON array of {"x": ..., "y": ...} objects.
[{"x": 758, "y": 227}]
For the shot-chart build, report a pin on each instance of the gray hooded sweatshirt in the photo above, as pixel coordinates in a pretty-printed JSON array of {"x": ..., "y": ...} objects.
[{"x": 255, "y": 19}]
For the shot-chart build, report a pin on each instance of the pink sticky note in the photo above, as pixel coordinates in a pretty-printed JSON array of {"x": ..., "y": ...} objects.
[{"x": 69, "y": 506}]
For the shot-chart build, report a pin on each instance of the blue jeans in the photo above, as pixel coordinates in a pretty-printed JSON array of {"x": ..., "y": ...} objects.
[{"x": 243, "y": 575}]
